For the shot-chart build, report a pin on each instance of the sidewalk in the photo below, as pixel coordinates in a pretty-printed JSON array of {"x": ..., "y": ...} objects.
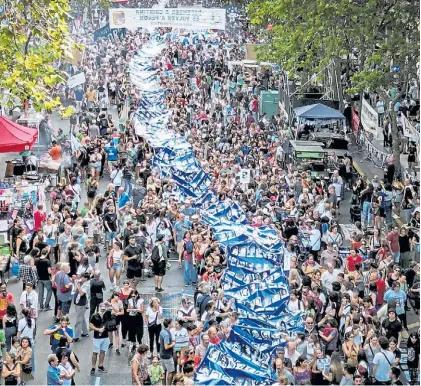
[{"x": 369, "y": 170}]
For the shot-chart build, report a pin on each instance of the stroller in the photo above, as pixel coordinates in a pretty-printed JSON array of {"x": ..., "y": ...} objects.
[{"x": 355, "y": 208}]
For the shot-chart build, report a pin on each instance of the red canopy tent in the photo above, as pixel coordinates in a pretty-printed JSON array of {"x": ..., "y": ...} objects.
[{"x": 16, "y": 138}]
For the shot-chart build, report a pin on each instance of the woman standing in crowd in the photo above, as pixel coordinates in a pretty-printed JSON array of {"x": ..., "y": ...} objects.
[
  {"x": 154, "y": 321},
  {"x": 186, "y": 249},
  {"x": 117, "y": 312},
  {"x": 135, "y": 311},
  {"x": 114, "y": 262}
]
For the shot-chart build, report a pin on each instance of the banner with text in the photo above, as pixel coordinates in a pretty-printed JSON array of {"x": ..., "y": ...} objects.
[
  {"x": 106, "y": 32},
  {"x": 187, "y": 18},
  {"x": 409, "y": 130},
  {"x": 370, "y": 119}
]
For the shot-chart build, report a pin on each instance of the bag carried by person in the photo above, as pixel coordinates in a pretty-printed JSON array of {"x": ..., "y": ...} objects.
[{"x": 155, "y": 256}]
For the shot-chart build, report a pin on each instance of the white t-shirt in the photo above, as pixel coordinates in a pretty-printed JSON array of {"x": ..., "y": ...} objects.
[
  {"x": 315, "y": 239},
  {"x": 117, "y": 255},
  {"x": 82, "y": 269},
  {"x": 67, "y": 369},
  {"x": 25, "y": 330},
  {"x": 151, "y": 314},
  {"x": 295, "y": 306},
  {"x": 135, "y": 305},
  {"x": 30, "y": 301},
  {"x": 116, "y": 177}
]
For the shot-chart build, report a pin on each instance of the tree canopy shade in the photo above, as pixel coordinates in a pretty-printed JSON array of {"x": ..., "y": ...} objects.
[
  {"x": 33, "y": 36},
  {"x": 306, "y": 35}
]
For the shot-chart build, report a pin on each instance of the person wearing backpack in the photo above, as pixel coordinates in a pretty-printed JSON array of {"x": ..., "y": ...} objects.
[
  {"x": 159, "y": 261},
  {"x": 186, "y": 248}
]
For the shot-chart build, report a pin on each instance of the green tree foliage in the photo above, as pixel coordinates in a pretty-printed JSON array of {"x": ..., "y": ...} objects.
[
  {"x": 34, "y": 35},
  {"x": 306, "y": 35}
]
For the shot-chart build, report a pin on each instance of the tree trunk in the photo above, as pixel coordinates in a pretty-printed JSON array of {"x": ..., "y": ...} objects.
[{"x": 396, "y": 142}]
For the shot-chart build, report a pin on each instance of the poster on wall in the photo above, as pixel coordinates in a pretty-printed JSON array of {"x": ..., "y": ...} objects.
[{"x": 187, "y": 18}]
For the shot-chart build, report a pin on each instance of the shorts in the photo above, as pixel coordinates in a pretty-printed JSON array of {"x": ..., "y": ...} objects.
[
  {"x": 51, "y": 242},
  {"x": 101, "y": 345},
  {"x": 132, "y": 273},
  {"x": 109, "y": 236},
  {"x": 158, "y": 269},
  {"x": 64, "y": 306},
  {"x": 116, "y": 266},
  {"x": 168, "y": 365}
]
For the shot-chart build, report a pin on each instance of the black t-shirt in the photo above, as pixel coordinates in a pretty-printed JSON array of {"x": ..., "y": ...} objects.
[
  {"x": 97, "y": 286},
  {"x": 127, "y": 233},
  {"x": 410, "y": 276},
  {"x": 13, "y": 234},
  {"x": 130, "y": 251},
  {"x": 111, "y": 220},
  {"x": 42, "y": 266},
  {"x": 392, "y": 328},
  {"x": 99, "y": 322},
  {"x": 404, "y": 244}
]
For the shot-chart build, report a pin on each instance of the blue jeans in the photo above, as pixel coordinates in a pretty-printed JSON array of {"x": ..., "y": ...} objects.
[
  {"x": 396, "y": 257},
  {"x": 407, "y": 214},
  {"x": 189, "y": 273},
  {"x": 255, "y": 117},
  {"x": 47, "y": 285},
  {"x": 366, "y": 212},
  {"x": 128, "y": 186},
  {"x": 388, "y": 212}
]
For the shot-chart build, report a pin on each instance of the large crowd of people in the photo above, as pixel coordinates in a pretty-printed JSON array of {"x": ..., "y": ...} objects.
[{"x": 353, "y": 294}]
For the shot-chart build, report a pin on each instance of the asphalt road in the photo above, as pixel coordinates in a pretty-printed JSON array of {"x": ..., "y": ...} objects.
[{"x": 118, "y": 370}]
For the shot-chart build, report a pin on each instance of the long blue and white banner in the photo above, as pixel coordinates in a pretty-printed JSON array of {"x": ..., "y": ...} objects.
[{"x": 256, "y": 274}]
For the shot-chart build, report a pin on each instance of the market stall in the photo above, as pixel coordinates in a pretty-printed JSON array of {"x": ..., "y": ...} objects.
[
  {"x": 16, "y": 138},
  {"x": 316, "y": 116}
]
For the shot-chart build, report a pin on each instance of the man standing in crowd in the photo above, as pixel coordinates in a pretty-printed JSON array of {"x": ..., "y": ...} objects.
[
  {"x": 166, "y": 344},
  {"x": 382, "y": 362},
  {"x": 101, "y": 342}
]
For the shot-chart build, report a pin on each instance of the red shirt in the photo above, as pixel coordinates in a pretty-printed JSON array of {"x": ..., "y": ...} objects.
[
  {"x": 38, "y": 219},
  {"x": 381, "y": 289},
  {"x": 215, "y": 341},
  {"x": 393, "y": 238},
  {"x": 254, "y": 105},
  {"x": 352, "y": 262}
]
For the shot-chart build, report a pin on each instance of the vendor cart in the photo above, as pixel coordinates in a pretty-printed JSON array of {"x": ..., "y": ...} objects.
[{"x": 310, "y": 158}]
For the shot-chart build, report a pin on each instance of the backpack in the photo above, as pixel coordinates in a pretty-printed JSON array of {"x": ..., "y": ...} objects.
[
  {"x": 91, "y": 191},
  {"x": 188, "y": 247},
  {"x": 155, "y": 257},
  {"x": 103, "y": 123}
]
